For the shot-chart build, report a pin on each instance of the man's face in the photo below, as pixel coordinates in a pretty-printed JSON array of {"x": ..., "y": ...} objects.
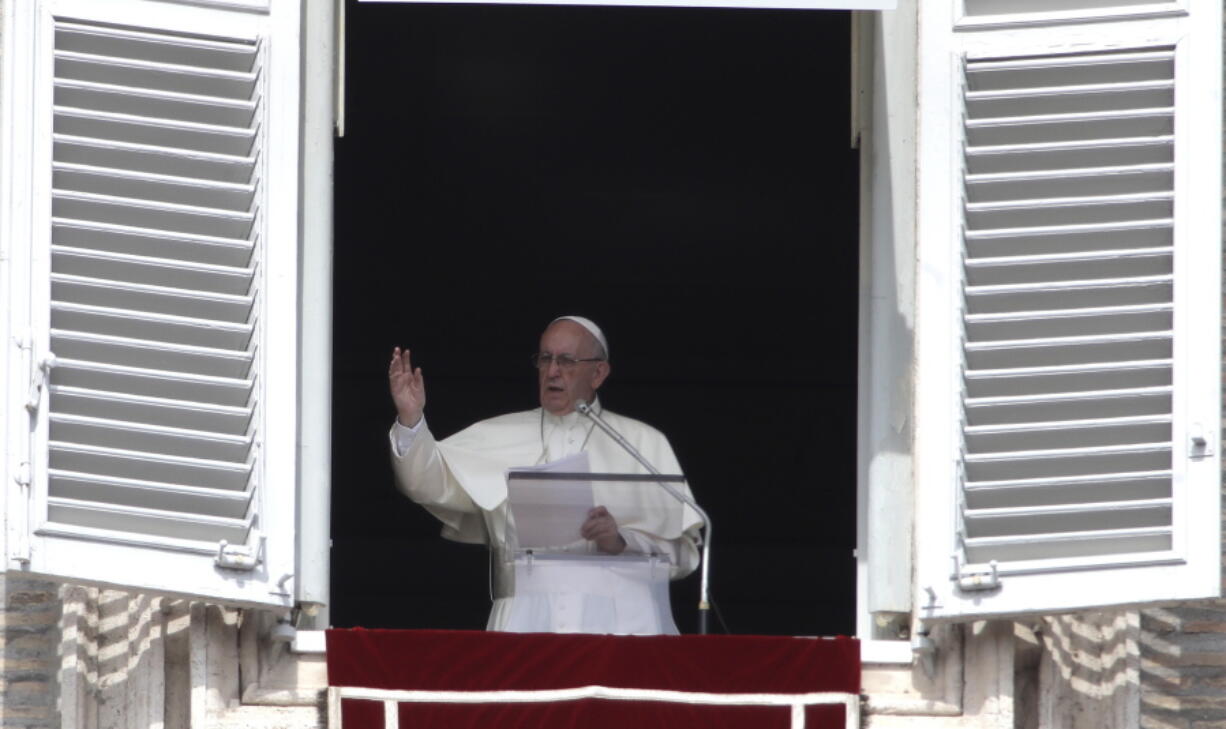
[{"x": 562, "y": 387}]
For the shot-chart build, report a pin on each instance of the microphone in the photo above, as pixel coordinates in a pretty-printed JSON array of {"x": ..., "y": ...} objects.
[{"x": 704, "y": 601}]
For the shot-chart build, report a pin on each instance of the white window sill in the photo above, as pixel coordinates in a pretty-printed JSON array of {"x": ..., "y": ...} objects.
[
  {"x": 871, "y": 651},
  {"x": 886, "y": 652},
  {"x": 308, "y": 641}
]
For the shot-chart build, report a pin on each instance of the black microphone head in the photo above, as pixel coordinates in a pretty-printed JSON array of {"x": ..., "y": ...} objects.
[{"x": 583, "y": 407}]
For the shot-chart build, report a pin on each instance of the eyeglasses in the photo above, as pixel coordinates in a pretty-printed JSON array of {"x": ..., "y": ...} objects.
[{"x": 542, "y": 360}]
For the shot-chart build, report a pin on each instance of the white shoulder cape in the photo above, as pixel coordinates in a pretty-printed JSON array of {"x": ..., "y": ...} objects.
[{"x": 479, "y": 456}]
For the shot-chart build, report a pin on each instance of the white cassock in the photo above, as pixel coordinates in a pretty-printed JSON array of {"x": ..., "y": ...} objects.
[{"x": 462, "y": 481}]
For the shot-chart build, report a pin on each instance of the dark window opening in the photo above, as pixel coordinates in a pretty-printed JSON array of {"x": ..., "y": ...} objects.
[{"x": 681, "y": 176}]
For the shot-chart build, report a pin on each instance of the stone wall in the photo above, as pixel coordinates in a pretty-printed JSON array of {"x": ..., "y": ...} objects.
[
  {"x": 30, "y": 615},
  {"x": 85, "y": 658},
  {"x": 134, "y": 661},
  {"x": 1183, "y": 667}
]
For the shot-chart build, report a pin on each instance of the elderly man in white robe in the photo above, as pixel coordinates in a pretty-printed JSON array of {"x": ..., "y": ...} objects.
[{"x": 461, "y": 480}]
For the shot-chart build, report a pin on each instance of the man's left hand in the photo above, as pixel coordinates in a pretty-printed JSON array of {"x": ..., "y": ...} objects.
[{"x": 601, "y": 528}]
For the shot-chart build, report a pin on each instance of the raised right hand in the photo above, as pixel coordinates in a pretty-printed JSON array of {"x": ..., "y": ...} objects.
[{"x": 408, "y": 388}]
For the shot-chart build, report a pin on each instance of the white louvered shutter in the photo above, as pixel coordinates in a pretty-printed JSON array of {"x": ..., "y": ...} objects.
[
  {"x": 1083, "y": 296},
  {"x": 1001, "y": 12},
  {"x": 162, "y": 272}
]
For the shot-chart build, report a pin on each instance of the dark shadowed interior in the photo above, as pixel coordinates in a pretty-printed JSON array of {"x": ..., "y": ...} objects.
[{"x": 684, "y": 177}]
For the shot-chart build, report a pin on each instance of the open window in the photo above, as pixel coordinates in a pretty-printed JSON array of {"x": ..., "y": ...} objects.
[
  {"x": 697, "y": 199},
  {"x": 150, "y": 277}
]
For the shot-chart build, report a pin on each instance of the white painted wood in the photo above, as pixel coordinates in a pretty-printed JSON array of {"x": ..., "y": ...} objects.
[
  {"x": 391, "y": 715},
  {"x": 168, "y": 497},
  {"x": 334, "y": 708},
  {"x": 612, "y": 693},
  {"x": 16, "y": 88},
  {"x": 315, "y": 363},
  {"x": 979, "y": 14},
  {"x": 282, "y": 288},
  {"x": 161, "y": 252},
  {"x": 885, "y": 456},
  {"x": 1069, "y": 347}
]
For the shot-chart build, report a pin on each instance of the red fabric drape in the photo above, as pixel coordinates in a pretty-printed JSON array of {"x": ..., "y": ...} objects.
[{"x": 435, "y": 660}]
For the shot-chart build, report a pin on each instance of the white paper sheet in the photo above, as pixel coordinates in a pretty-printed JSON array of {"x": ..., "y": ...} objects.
[{"x": 548, "y": 513}]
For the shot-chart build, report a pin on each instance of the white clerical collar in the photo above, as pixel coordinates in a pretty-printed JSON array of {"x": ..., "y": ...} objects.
[
  {"x": 569, "y": 420},
  {"x": 563, "y": 435}
]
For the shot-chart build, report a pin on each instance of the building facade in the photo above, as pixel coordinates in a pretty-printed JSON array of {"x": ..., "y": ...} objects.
[{"x": 1040, "y": 485}]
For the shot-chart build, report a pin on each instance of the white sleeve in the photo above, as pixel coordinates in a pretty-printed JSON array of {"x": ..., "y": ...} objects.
[
  {"x": 404, "y": 436},
  {"x": 421, "y": 473},
  {"x": 682, "y": 552}
]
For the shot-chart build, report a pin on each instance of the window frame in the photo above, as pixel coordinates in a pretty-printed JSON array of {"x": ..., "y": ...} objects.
[{"x": 887, "y": 82}]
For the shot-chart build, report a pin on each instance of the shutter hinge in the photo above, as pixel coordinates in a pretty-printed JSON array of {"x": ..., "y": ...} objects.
[
  {"x": 976, "y": 578},
  {"x": 240, "y": 556},
  {"x": 38, "y": 382},
  {"x": 281, "y": 590},
  {"x": 1199, "y": 443}
]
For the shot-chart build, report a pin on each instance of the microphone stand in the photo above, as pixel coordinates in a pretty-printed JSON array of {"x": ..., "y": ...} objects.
[{"x": 704, "y": 601}]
